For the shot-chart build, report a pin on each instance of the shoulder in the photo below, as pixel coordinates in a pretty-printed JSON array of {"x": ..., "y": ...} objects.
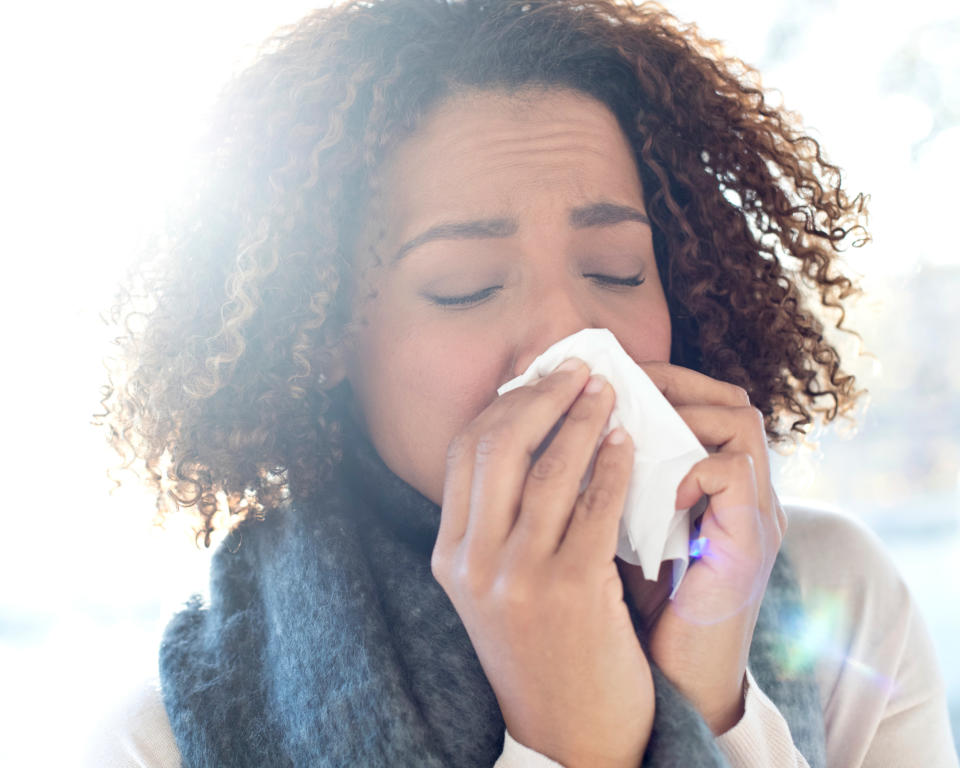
[
  {"x": 829, "y": 549},
  {"x": 136, "y": 734}
]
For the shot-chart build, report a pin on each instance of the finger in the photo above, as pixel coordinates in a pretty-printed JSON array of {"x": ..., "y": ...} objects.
[
  {"x": 681, "y": 386},
  {"x": 731, "y": 429},
  {"x": 505, "y": 437},
  {"x": 736, "y": 544},
  {"x": 591, "y": 536},
  {"x": 736, "y": 536},
  {"x": 462, "y": 454},
  {"x": 739, "y": 430},
  {"x": 730, "y": 482},
  {"x": 455, "y": 506},
  {"x": 780, "y": 514},
  {"x": 553, "y": 482}
]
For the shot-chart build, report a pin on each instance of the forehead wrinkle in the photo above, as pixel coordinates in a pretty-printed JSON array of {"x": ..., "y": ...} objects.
[
  {"x": 484, "y": 162},
  {"x": 551, "y": 169},
  {"x": 438, "y": 200},
  {"x": 573, "y": 142},
  {"x": 539, "y": 115},
  {"x": 564, "y": 149}
]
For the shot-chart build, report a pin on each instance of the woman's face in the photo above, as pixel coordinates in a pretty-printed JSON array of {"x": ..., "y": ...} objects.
[{"x": 505, "y": 223}]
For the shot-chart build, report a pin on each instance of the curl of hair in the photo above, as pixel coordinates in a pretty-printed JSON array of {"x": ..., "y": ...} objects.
[{"x": 228, "y": 321}]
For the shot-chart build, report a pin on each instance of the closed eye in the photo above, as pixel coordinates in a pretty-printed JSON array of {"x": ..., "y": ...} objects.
[
  {"x": 477, "y": 297},
  {"x": 465, "y": 300},
  {"x": 628, "y": 282}
]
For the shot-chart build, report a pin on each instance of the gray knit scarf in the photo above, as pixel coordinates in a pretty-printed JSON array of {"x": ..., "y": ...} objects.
[{"x": 327, "y": 642}]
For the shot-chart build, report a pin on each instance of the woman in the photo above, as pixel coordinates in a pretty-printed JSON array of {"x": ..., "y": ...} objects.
[{"x": 407, "y": 202}]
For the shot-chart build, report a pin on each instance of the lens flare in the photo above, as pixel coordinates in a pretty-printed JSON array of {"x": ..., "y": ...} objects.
[
  {"x": 699, "y": 547},
  {"x": 817, "y": 635},
  {"x": 724, "y": 576}
]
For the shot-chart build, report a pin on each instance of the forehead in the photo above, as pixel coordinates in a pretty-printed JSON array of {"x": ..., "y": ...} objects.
[{"x": 494, "y": 153}]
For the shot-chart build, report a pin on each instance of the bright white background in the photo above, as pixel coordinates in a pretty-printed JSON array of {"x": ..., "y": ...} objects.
[{"x": 100, "y": 100}]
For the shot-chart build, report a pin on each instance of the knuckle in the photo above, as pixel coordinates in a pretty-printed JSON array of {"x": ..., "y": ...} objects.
[
  {"x": 548, "y": 467},
  {"x": 610, "y": 462},
  {"x": 440, "y": 565},
  {"x": 743, "y": 462},
  {"x": 468, "y": 574},
  {"x": 492, "y": 440},
  {"x": 596, "y": 499},
  {"x": 458, "y": 447},
  {"x": 485, "y": 447},
  {"x": 783, "y": 520},
  {"x": 511, "y": 591},
  {"x": 739, "y": 395},
  {"x": 756, "y": 416},
  {"x": 751, "y": 424}
]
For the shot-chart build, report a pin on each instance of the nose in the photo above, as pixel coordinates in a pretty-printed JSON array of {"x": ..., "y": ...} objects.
[{"x": 549, "y": 315}]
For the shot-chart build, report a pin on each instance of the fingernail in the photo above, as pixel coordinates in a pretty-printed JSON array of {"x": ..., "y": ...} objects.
[
  {"x": 617, "y": 436},
  {"x": 595, "y": 384},
  {"x": 570, "y": 364}
]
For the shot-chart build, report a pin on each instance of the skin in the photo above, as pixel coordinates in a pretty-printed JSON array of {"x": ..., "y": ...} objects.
[
  {"x": 415, "y": 367},
  {"x": 446, "y": 315}
]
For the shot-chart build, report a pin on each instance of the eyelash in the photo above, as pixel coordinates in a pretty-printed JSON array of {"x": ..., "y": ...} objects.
[
  {"x": 626, "y": 282},
  {"x": 475, "y": 298}
]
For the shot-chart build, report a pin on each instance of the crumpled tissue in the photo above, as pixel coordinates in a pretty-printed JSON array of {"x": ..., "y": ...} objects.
[{"x": 652, "y": 531}]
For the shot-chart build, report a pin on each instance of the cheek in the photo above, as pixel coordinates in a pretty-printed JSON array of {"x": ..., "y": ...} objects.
[
  {"x": 655, "y": 344},
  {"x": 440, "y": 370},
  {"x": 419, "y": 384},
  {"x": 647, "y": 336}
]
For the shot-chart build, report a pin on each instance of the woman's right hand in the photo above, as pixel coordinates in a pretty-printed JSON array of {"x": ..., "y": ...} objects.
[{"x": 528, "y": 563}]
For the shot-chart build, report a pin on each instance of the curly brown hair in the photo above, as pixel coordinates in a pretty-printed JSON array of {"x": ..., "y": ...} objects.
[{"x": 228, "y": 322}]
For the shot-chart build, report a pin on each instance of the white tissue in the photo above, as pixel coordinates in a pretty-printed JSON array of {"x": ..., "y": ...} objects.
[{"x": 651, "y": 530}]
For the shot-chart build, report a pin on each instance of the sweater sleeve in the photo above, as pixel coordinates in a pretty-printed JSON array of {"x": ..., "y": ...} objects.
[
  {"x": 761, "y": 739},
  {"x": 516, "y": 755}
]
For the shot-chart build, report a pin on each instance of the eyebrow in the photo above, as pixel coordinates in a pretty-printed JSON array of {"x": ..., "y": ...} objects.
[
  {"x": 605, "y": 215},
  {"x": 460, "y": 230},
  {"x": 582, "y": 217}
]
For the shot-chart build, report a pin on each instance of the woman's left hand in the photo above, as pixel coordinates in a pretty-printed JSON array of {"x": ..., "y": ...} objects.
[{"x": 701, "y": 638}]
